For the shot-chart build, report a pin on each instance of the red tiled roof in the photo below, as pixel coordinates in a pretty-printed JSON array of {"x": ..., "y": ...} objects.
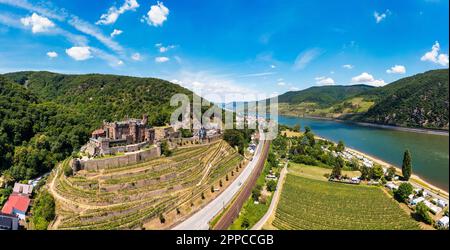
[
  {"x": 19, "y": 202},
  {"x": 98, "y": 132}
]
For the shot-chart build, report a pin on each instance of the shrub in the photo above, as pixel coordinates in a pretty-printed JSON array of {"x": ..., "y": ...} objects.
[
  {"x": 271, "y": 185},
  {"x": 43, "y": 211},
  {"x": 403, "y": 191},
  {"x": 245, "y": 223},
  {"x": 422, "y": 213},
  {"x": 162, "y": 219}
]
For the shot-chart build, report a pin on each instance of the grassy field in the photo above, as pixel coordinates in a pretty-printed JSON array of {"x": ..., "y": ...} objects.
[
  {"x": 314, "y": 204},
  {"x": 136, "y": 196},
  {"x": 317, "y": 173}
]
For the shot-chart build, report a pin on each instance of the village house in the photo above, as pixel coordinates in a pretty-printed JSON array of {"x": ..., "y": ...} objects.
[
  {"x": 391, "y": 186},
  {"x": 433, "y": 208},
  {"x": 17, "y": 205},
  {"x": 416, "y": 201},
  {"x": 443, "y": 222},
  {"x": 8, "y": 222},
  {"x": 25, "y": 189}
]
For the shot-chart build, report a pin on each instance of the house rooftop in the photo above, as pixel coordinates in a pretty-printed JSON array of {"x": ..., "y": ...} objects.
[
  {"x": 16, "y": 201},
  {"x": 22, "y": 188}
]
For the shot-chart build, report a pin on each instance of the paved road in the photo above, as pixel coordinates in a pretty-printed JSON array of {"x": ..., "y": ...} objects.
[
  {"x": 274, "y": 202},
  {"x": 233, "y": 211},
  {"x": 200, "y": 220}
]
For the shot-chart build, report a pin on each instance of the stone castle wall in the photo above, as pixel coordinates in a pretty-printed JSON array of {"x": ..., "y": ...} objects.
[{"x": 119, "y": 161}]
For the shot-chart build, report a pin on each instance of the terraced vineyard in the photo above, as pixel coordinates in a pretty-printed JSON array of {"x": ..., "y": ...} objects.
[
  {"x": 127, "y": 197},
  {"x": 319, "y": 205}
]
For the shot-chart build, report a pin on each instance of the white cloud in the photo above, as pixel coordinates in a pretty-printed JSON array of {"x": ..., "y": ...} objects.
[
  {"x": 443, "y": 59},
  {"x": 397, "y": 69},
  {"x": 136, "y": 57},
  {"x": 157, "y": 15},
  {"x": 294, "y": 89},
  {"x": 37, "y": 23},
  {"x": 281, "y": 84},
  {"x": 204, "y": 83},
  {"x": 52, "y": 54},
  {"x": 348, "y": 66},
  {"x": 164, "y": 49},
  {"x": 434, "y": 56},
  {"x": 273, "y": 66},
  {"x": 324, "y": 80},
  {"x": 258, "y": 74},
  {"x": 368, "y": 79},
  {"x": 114, "y": 13},
  {"x": 116, "y": 32},
  {"x": 161, "y": 59},
  {"x": 381, "y": 16},
  {"x": 304, "y": 58},
  {"x": 93, "y": 31},
  {"x": 79, "y": 53}
]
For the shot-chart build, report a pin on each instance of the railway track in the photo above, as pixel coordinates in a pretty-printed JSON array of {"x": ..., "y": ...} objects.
[{"x": 233, "y": 210}]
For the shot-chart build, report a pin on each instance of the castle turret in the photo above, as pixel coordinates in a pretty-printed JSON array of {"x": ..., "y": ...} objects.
[{"x": 144, "y": 119}]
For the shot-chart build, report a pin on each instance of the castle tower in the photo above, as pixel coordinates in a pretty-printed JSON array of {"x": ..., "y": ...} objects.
[{"x": 144, "y": 119}]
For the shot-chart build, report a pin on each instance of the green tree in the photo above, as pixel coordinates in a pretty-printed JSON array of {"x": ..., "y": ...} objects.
[
  {"x": 165, "y": 150},
  {"x": 186, "y": 133},
  {"x": 337, "y": 169},
  {"x": 245, "y": 223},
  {"x": 407, "y": 165},
  {"x": 377, "y": 172},
  {"x": 311, "y": 139},
  {"x": 354, "y": 164},
  {"x": 256, "y": 192},
  {"x": 403, "y": 191},
  {"x": 271, "y": 185},
  {"x": 340, "y": 147},
  {"x": 297, "y": 127},
  {"x": 391, "y": 173},
  {"x": 307, "y": 129},
  {"x": 43, "y": 211},
  {"x": 68, "y": 171},
  {"x": 365, "y": 173},
  {"x": 162, "y": 219},
  {"x": 422, "y": 213}
]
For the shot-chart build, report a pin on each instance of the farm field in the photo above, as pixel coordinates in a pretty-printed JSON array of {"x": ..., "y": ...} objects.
[
  {"x": 312, "y": 204},
  {"x": 153, "y": 194}
]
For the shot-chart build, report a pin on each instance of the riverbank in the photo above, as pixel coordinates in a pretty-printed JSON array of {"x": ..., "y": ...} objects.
[
  {"x": 374, "y": 125},
  {"x": 414, "y": 178}
]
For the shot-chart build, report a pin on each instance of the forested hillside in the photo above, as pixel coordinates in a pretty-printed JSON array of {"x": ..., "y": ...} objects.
[
  {"x": 417, "y": 101},
  {"x": 44, "y": 116},
  {"x": 323, "y": 96}
]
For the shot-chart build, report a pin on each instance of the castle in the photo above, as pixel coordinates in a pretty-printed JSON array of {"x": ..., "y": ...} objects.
[{"x": 123, "y": 136}]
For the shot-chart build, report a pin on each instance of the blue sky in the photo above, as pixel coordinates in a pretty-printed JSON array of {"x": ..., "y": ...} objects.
[{"x": 248, "y": 47}]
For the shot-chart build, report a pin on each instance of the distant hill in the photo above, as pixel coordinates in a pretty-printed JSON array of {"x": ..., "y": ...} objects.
[
  {"x": 323, "y": 96},
  {"x": 419, "y": 101},
  {"x": 46, "y": 116}
]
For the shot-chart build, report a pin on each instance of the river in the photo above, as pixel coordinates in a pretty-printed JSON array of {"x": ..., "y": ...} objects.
[{"x": 430, "y": 153}]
